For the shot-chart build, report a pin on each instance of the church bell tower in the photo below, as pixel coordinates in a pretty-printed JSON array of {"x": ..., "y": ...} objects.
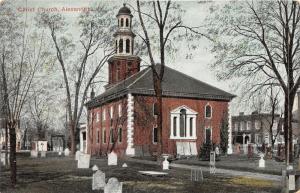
[{"x": 123, "y": 63}]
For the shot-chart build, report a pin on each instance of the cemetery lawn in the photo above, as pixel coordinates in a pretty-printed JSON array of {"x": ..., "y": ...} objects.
[{"x": 60, "y": 175}]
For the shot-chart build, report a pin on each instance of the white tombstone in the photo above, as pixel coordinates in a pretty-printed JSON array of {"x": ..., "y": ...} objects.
[
  {"x": 59, "y": 153},
  {"x": 292, "y": 185},
  {"x": 261, "y": 162},
  {"x": 42, "y": 145},
  {"x": 113, "y": 186},
  {"x": 3, "y": 158},
  {"x": 67, "y": 152},
  {"x": 77, "y": 154},
  {"x": 112, "y": 159},
  {"x": 95, "y": 168},
  {"x": 98, "y": 180},
  {"x": 124, "y": 165},
  {"x": 43, "y": 154},
  {"x": 212, "y": 162},
  {"x": 166, "y": 163},
  {"x": 33, "y": 153},
  {"x": 84, "y": 161}
]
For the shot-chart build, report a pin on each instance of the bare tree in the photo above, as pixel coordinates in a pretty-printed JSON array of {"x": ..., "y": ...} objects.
[
  {"x": 21, "y": 57},
  {"x": 78, "y": 74},
  {"x": 258, "y": 43},
  {"x": 166, "y": 18}
]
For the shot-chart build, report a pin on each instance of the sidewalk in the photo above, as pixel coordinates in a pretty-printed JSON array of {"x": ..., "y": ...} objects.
[{"x": 230, "y": 172}]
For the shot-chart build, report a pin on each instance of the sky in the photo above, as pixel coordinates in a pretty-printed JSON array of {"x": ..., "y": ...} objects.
[{"x": 197, "y": 67}]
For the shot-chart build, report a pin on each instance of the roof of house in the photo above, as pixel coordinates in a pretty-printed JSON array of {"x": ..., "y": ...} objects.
[{"x": 175, "y": 84}]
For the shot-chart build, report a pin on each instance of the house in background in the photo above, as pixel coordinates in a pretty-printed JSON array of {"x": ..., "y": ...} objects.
[
  {"x": 123, "y": 118},
  {"x": 296, "y": 118},
  {"x": 255, "y": 129}
]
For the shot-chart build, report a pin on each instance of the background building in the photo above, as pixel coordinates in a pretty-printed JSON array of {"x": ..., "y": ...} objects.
[{"x": 255, "y": 128}]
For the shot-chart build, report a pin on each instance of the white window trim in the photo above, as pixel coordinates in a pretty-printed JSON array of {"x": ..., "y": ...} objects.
[
  {"x": 206, "y": 128},
  {"x": 189, "y": 114},
  {"x": 257, "y": 123},
  {"x": 111, "y": 112},
  {"x": 236, "y": 126},
  {"x": 103, "y": 114},
  {"x": 120, "y": 110},
  {"x": 211, "y": 111},
  {"x": 97, "y": 117},
  {"x": 248, "y": 125}
]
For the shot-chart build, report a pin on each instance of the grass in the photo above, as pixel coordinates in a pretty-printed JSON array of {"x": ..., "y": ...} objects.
[{"x": 60, "y": 175}]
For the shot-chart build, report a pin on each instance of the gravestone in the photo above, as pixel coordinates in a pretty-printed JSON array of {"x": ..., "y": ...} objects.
[
  {"x": 261, "y": 162},
  {"x": 59, "y": 153},
  {"x": 77, "y": 154},
  {"x": 212, "y": 162},
  {"x": 112, "y": 159},
  {"x": 3, "y": 158},
  {"x": 34, "y": 153},
  {"x": 95, "y": 168},
  {"x": 98, "y": 180},
  {"x": 196, "y": 175},
  {"x": 67, "y": 152},
  {"x": 124, "y": 165},
  {"x": 43, "y": 154},
  {"x": 292, "y": 182},
  {"x": 84, "y": 161},
  {"x": 166, "y": 163},
  {"x": 113, "y": 186}
]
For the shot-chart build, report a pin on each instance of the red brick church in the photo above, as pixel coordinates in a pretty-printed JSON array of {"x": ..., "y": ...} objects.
[{"x": 123, "y": 117}]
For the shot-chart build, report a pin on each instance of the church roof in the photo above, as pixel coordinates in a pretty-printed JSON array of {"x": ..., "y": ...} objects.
[{"x": 175, "y": 84}]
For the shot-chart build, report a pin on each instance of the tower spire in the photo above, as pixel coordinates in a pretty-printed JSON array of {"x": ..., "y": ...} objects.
[{"x": 124, "y": 63}]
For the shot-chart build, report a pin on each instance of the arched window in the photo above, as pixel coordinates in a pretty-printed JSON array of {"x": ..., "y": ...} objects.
[
  {"x": 127, "y": 45},
  {"x": 182, "y": 123},
  {"x": 208, "y": 111},
  {"x": 122, "y": 22},
  {"x": 120, "y": 45},
  {"x": 127, "y": 22}
]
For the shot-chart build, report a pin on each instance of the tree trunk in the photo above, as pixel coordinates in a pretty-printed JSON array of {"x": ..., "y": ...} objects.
[
  {"x": 158, "y": 91},
  {"x": 288, "y": 132},
  {"x": 72, "y": 135},
  {"x": 13, "y": 160},
  {"x": 6, "y": 145}
]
